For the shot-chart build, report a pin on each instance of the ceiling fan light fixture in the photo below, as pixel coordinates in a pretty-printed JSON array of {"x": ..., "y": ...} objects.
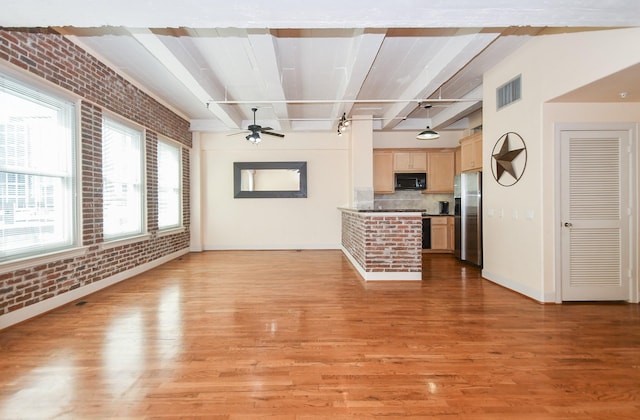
[
  {"x": 254, "y": 138},
  {"x": 428, "y": 134}
]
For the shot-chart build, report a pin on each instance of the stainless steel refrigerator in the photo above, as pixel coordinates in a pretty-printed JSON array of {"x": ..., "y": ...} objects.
[{"x": 467, "y": 198}]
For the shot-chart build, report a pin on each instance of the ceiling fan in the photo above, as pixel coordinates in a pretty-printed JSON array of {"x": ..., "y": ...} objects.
[{"x": 254, "y": 136}]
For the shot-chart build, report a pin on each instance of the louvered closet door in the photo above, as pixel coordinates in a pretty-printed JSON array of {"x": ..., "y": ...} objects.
[{"x": 595, "y": 223}]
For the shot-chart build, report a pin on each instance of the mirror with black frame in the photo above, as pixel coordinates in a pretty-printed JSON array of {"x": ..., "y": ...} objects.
[{"x": 269, "y": 179}]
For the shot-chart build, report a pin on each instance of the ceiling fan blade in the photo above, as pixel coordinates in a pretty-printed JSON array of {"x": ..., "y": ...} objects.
[
  {"x": 238, "y": 132},
  {"x": 265, "y": 128},
  {"x": 272, "y": 133}
]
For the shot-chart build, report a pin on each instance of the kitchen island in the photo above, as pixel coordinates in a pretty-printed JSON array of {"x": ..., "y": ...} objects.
[{"x": 383, "y": 244}]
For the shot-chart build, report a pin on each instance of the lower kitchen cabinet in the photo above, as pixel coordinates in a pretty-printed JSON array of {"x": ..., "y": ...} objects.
[
  {"x": 439, "y": 233},
  {"x": 451, "y": 224},
  {"x": 442, "y": 234}
]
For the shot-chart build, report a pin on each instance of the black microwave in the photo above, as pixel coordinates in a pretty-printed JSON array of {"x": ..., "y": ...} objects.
[{"x": 415, "y": 181}]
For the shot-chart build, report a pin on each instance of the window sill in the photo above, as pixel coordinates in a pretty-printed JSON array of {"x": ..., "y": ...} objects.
[
  {"x": 171, "y": 231},
  {"x": 125, "y": 241},
  {"x": 35, "y": 260}
]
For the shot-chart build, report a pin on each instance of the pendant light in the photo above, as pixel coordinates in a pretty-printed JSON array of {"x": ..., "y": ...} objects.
[{"x": 428, "y": 134}]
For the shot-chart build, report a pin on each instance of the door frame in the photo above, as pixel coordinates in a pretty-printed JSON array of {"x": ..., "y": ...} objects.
[{"x": 632, "y": 245}]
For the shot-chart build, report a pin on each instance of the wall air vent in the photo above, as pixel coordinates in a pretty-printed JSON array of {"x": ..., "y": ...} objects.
[{"x": 509, "y": 92}]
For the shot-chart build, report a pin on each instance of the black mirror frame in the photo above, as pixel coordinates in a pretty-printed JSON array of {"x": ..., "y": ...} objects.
[{"x": 237, "y": 184}]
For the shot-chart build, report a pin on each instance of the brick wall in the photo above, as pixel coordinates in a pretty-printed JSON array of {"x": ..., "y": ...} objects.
[
  {"x": 380, "y": 242},
  {"x": 48, "y": 55}
]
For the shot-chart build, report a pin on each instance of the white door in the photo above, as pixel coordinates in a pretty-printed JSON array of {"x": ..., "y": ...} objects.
[{"x": 595, "y": 215}]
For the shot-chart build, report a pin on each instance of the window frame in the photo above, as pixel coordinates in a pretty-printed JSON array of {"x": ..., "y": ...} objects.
[
  {"x": 174, "y": 144},
  {"x": 127, "y": 237},
  {"x": 42, "y": 92}
]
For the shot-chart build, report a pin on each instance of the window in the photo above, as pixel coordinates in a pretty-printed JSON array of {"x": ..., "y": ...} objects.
[
  {"x": 169, "y": 185},
  {"x": 37, "y": 172},
  {"x": 122, "y": 179}
]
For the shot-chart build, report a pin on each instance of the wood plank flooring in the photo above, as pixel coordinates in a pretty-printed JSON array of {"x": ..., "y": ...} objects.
[{"x": 298, "y": 335}]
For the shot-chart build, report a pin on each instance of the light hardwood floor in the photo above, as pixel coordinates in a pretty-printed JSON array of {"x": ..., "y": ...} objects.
[{"x": 298, "y": 335}]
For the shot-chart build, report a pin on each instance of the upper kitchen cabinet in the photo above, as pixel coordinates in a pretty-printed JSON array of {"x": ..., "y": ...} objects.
[
  {"x": 458, "y": 154},
  {"x": 410, "y": 161},
  {"x": 471, "y": 152},
  {"x": 383, "y": 172},
  {"x": 441, "y": 171}
]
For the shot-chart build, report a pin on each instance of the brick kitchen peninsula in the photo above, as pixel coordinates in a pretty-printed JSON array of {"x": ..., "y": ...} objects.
[{"x": 383, "y": 245}]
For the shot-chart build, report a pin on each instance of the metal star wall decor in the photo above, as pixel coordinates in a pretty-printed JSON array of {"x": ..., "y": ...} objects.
[{"x": 509, "y": 157}]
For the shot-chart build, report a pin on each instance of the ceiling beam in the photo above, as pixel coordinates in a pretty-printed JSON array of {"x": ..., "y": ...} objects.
[
  {"x": 454, "y": 55},
  {"x": 361, "y": 55},
  {"x": 322, "y": 14},
  {"x": 452, "y": 113},
  {"x": 154, "y": 45},
  {"x": 265, "y": 54}
]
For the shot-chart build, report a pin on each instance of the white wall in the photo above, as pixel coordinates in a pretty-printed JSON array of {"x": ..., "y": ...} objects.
[
  {"x": 407, "y": 139},
  {"x": 520, "y": 252},
  {"x": 278, "y": 223}
]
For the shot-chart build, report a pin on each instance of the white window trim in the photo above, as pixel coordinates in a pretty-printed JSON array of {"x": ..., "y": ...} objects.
[
  {"x": 171, "y": 231},
  {"x": 124, "y": 239},
  {"x": 180, "y": 227},
  {"x": 76, "y": 248},
  {"x": 32, "y": 261}
]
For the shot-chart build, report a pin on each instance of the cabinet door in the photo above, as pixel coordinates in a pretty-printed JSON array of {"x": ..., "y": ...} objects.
[
  {"x": 471, "y": 152},
  {"x": 401, "y": 161},
  {"x": 383, "y": 172},
  {"x": 458, "y": 159},
  {"x": 452, "y": 233},
  {"x": 441, "y": 172},
  {"x": 477, "y": 153},
  {"x": 419, "y": 161},
  {"x": 410, "y": 161},
  {"x": 439, "y": 233}
]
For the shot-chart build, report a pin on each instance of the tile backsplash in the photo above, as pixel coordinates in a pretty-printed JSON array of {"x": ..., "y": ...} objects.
[{"x": 412, "y": 200}]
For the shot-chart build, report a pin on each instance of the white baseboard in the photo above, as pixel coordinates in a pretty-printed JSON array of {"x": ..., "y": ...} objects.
[
  {"x": 382, "y": 276},
  {"x": 265, "y": 247},
  {"x": 47, "y": 305},
  {"x": 517, "y": 287}
]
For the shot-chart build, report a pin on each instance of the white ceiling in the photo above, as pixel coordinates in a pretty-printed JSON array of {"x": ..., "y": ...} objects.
[{"x": 302, "y": 65}]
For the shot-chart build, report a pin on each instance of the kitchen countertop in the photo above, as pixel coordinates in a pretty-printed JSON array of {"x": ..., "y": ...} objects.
[{"x": 422, "y": 211}]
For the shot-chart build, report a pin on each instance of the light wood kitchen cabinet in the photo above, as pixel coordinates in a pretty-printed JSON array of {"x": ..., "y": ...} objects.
[
  {"x": 439, "y": 234},
  {"x": 471, "y": 153},
  {"x": 442, "y": 234},
  {"x": 410, "y": 161},
  {"x": 440, "y": 172},
  {"x": 458, "y": 159},
  {"x": 451, "y": 225},
  {"x": 383, "y": 172}
]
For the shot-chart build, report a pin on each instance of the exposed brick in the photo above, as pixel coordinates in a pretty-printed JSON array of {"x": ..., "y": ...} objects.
[
  {"x": 50, "y": 56},
  {"x": 382, "y": 243}
]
